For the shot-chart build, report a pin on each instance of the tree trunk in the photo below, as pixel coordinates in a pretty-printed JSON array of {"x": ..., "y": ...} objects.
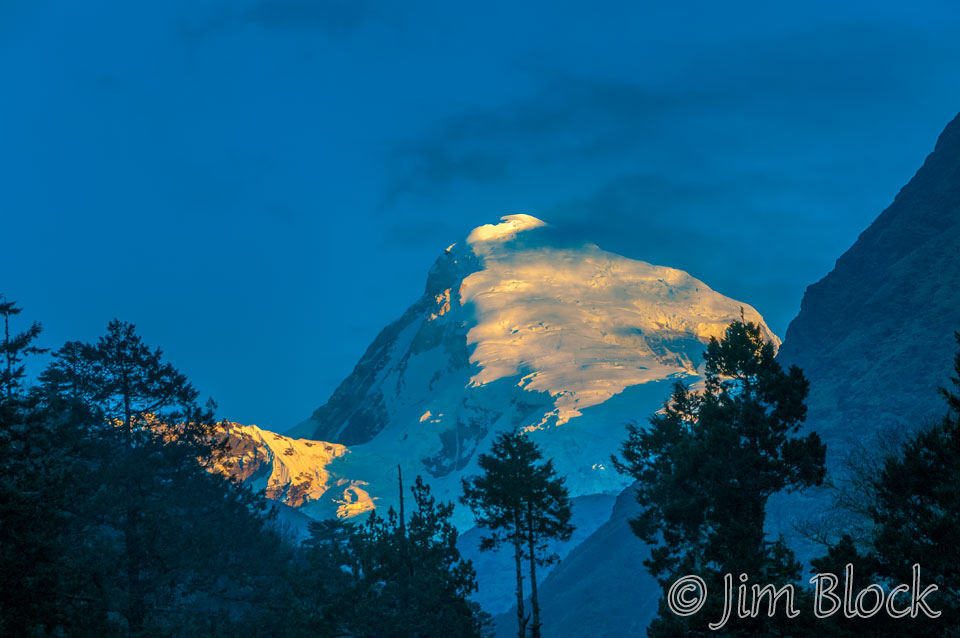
[
  {"x": 534, "y": 602},
  {"x": 518, "y": 557},
  {"x": 9, "y": 356},
  {"x": 136, "y": 606},
  {"x": 406, "y": 568}
]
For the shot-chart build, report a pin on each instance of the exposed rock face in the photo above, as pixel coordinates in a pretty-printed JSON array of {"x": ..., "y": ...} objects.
[{"x": 875, "y": 336}]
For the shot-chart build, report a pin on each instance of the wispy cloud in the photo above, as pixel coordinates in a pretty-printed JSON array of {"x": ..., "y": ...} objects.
[
  {"x": 793, "y": 81},
  {"x": 571, "y": 116},
  {"x": 719, "y": 229}
]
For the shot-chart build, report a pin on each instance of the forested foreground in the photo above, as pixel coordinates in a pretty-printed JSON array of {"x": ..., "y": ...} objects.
[
  {"x": 707, "y": 466},
  {"x": 111, "y": 523}
]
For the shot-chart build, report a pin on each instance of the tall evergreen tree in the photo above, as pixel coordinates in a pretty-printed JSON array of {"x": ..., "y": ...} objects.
[
  {"x": 706, "y": 466},
  {"x": 913, "y": 504},
  {"x": 393, "y": 576},
  {"x": 522, "y": 502},
  {"x": 896, "y": 506},
  {"x": 14, "y": 348},
  {"x": 916, "y": 511},
  {"x": 148, "y": 421},
  {"x": 32, "y": 541},
  {"x": 77, "y": 456},
  {"x": 150, "y": 505}
]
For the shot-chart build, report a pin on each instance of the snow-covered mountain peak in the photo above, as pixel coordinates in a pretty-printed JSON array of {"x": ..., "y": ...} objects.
[
  {"x": 521, "y": 327},
  {"x": 521, "y": 302}
]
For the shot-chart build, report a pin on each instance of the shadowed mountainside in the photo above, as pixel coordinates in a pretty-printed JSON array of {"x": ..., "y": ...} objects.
[{"x": 874, "y": 337}]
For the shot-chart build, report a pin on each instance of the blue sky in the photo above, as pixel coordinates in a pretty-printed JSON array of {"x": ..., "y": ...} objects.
[{"x": 261, "y": 185}]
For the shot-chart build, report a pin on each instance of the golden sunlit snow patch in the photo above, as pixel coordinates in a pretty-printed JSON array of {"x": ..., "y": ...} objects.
[
  {"x": 443, "y": 305},
  {"x": 355, "y": 501},
  {"x": 580, "y": 323},
  {"x": 507, "y": 229},
  {"x": 293, "y": 471}
]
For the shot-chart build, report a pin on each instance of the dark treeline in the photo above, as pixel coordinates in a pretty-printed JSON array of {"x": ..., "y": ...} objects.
[
  {"x": 111, "y": 525},
  {"x": 708, "y": 463},
  {"x": 897, "y": 505}
]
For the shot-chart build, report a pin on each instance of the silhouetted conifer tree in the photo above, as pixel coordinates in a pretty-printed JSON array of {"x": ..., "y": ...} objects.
[
  {"x": 392, "y": 576},
  {"x": 14, "y": 349},
  {"x": 164, "y": 543},
  {"x": 912, "y": 506},
  {"x": 32, "y": 542},
  {"x": 707, "y": 464},
  {"x": 521, "y": 501}
]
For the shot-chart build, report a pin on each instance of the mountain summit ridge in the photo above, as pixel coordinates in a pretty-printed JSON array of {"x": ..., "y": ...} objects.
[{"x": 564, "y": 316}]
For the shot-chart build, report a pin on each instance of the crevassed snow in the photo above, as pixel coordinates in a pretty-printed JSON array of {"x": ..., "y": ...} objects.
[{"x": 581, "y": 323}]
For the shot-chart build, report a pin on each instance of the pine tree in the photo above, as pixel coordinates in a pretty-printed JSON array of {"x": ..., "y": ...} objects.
[
  {"x": 897, "y": 504},
  {"x": 151, "y": 507},
  {"x": 78, "y": 454},
  {"x": 14, "y": 348},
  {"x": 392, "y": 576},
  {"x": 522, "y": 502},
  {"x": 916, "y": 511},
  {"x": 32, "y": 540},
  {"x": 707, "y": 464},
  {"x": 144, "y": 407}
]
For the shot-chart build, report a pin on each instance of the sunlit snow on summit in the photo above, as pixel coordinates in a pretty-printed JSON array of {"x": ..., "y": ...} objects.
[{"x": 581, "y": 323}]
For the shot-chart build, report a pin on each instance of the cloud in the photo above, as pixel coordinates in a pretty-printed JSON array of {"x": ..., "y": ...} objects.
[
  {"x": 418, "y": 167},
  {"x": 725, "y": 229},
  {"x": 571, "y": 117},
  {"x": 701, "y": 103}
]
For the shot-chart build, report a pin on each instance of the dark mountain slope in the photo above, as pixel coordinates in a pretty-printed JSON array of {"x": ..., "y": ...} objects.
[
  {"x": 875, "y": 339},
  {"x": 875, "y": 335},
  {"x": 602, "y": 588}
]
